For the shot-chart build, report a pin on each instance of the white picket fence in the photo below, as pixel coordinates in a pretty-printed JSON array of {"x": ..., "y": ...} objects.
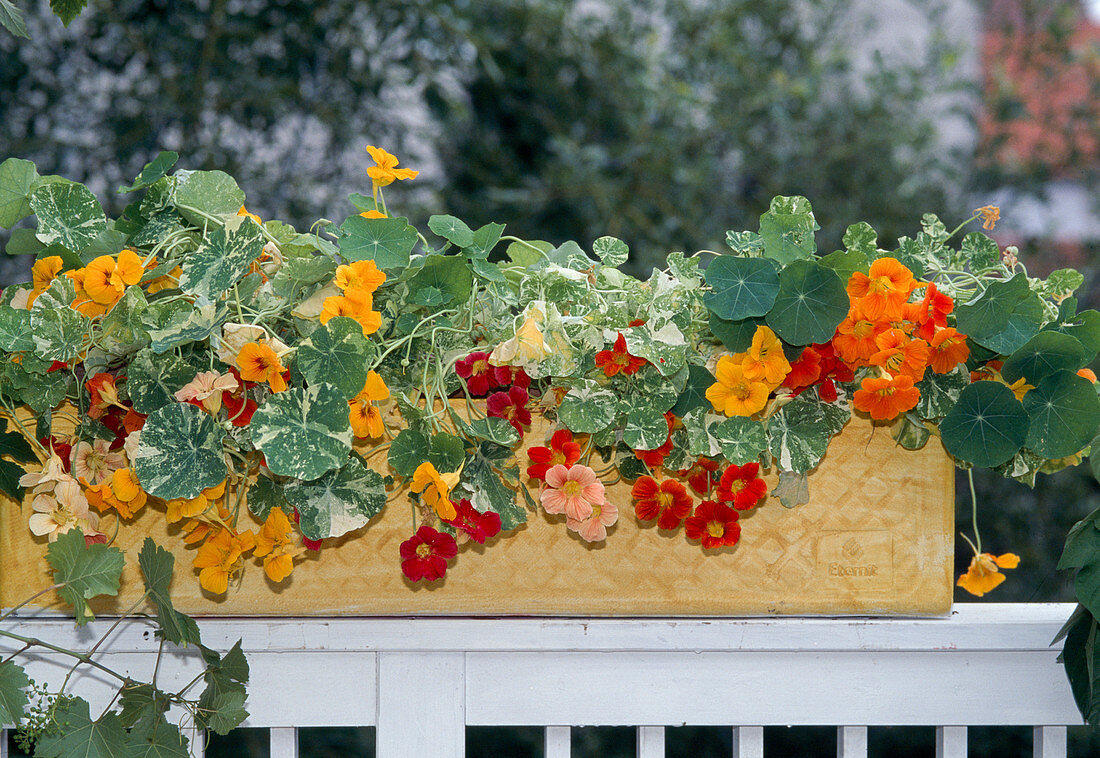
[{"x": 421, "y": 681}]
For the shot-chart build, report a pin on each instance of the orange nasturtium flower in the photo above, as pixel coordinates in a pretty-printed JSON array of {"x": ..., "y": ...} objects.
[
  {"x": 949, "y": 349},
  {"x": 386, "y": 171},
  {"x": 129, "y": 497},
  {"x": 360, "y": 275},
  {"x": 885, "y": 398},
  {"x": 43, "y": 272},
  {"x": 105, "y": 279},
  {"x": 244, "y": 212},
  {"x": 882, "y": 292},
  {"x": 373, "y": 214},
  {"x": 258, "y": 363},
  {"x": 991, "y": 214},
  {"x": 855, "y": 337},
  {"x": 356, "y": 304},
  {"x": 220, "y": 557},
  {"x": 275, "y": 545},
  {"x": 181, "y": 508},
  {"x": 363, "y": 415},
  {"x": 434, "y": 491},
  {"x": 899, "y": 354},
  {"x": 764, "y": 361},
  {"x": 734, "y": 394},
  {"x": 983, "y": 574}
]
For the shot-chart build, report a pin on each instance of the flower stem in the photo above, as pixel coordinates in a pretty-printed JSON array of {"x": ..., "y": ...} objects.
[{"x": 977, "y": 544}]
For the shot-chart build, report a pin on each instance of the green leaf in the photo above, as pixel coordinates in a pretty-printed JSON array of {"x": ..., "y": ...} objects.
[
  {"x": 742, "y": 439},
  {"x": 488, "y": 493},
  {"x": 452, "y": 229},
  {"x": 13, "y": 444},
  {"x": 1079, "y": 658},
  {"x": 1062, "y": 283},
  {"x": 23, "y": 241},
  {"x": 1023, "y": 324},
  {"x": 1065, "y": 415},
  {"x": 67, "y": 10},
  {"x": 15, "y": 330},
  {"x": 337, "y": 353},
  {"x": 1082, "y": 543},
  {"x": 521, "y": 253},
  {"x": 611, "y": 250},
  {"x": 225, "y": 712},
  {"x": 68, "y": 214},
  {"x": 810, "y": 305},
  {"x": 735, "y": 335},
  {"x": 495, "y": 430},
  {"x": 153, "y": 171},
  {"x": 1085, "y": 328},
  {"x": 121, "y": 332},
  {"x": 695, "y": 391},
  {"x": 701, "y": 427},
  {"x": 160, "y": 741},
  {"x": 792, "y": 489},
  {"x": 799, "y": 434},
  {"x": 221, "y": 260},
  {"x": 16, "y": 179},
  {"x": 987, "y": 426},
  {"x": 911, "y": 434},
  {"x": 488, "y": 271},
  {"x": 264, "y": 495},
  {"x": 180, "y": 452},
  {"x": 407, "y": 451},
  {"x": 386, "y": 241},
  {"x": 13, "y": 695},
  {"x": 79, "y": 736},
  {"x": 303, "y": 432},
  {"x": 447, "y": 452},
  {"x": 938, "y": 392},
  {"x": 107, "y": 242},
  {"x": 448, "y": 274},
  {"x": 745, "y": 243},
  {"x": 1043, "y": 355},
  {"x": 861, "y": 238},
  {"x": 485, "y": 239},
  {"x": 11, "y": 18},
  {"x": 87, "y": 571},
  {"x": 788, "y": 229},
  {"x": 201, "y": 195},
  {"x": 740, "y": 287},
  {"x": 845, "y": 263},
  {"x": 589, "y": 408},
  {"x": 9, "y": 480},
  {"x": 338, "y": 502},
  {"x": 646, "y": 428},
  {"x": 1086, "y": 586},
  {"x": 58, "y": 332},
  {"x": 171, "y": 323},
  {"x": 980, "y": 251},
  {"x": 153, "y": 380},
  {"x": 157, "y": 565},
  {"x": 988, "y": 314}
]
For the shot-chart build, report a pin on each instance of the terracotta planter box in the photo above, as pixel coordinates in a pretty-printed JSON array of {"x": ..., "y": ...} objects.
[{"x": 877, "y": 537}]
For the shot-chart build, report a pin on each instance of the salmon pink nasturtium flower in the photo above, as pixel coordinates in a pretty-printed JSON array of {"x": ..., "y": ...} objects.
[
  {"x": 385, "y": 172},
  {"x": 742, "y": 487},
  {"x": 45, "y": 480},
  {"x": 984, "y": 574},
  {"x": 433, "y": 490},
  {"x": 668, "y": 502},
  {"x": 65, "y": 509},
  {"x": 617, "y": 359},
  {"x": 426, "y": 553},
  {"x": 594, "y": 528},
  {"x": 474, "y": 524},
  {"x": 574, "y": 491},
  {"x": 714, "y": 524},
  {"x": 562, "y": 450},
  {"x": 206, "y": 390},
  {"x": 275, "y": 544},
  {"x": 95, "y": 462}
]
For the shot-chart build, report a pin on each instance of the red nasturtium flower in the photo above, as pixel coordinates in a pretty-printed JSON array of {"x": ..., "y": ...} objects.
[
  {"x": 562, "y": 450},
  {"x": 240, "y": 410},
  {"x": 713, "y": 524},
  {"x": 478, "y": 526},
  {"x": 702, "y": 475},
  {"x": 668, "y": 502},
  {"x": 510, "y": 406},
  {"x": 479, "y": 375},
  {"x": 742, "y": 486},
  {"x": 507, "y": 376},
  {"x": 618, "y": 359},
  {"x": 804, "y": 371},
  {"x": 931, "y": 312},
  {"x": 425, "y": 554}
]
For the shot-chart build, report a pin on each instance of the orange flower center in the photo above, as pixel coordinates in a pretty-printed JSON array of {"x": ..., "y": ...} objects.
[
  {"x": 665, "y": 499},
  {"x": 716, "y": 528},
  {"x": 424, "y": 550},
  {"x": 479, "y": 367},
  {"x": 863, "y": 328}
]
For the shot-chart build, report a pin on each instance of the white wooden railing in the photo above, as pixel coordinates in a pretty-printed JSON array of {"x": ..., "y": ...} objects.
[{"x": 421, "y": 681}]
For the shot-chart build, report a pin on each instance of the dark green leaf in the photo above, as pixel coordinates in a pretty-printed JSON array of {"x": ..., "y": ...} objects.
[
  {"x": 162, "y": 741},
  {"x": 86, "y": 571},
  {"x": 788, "y": 229},
  {"x": 264, "y": 495},
  {"x": 23, "y": 241},
  {"x": 67, "y": 10},
  {"x": 845, "y": 263},
  {"x": 1078, "y": 656},
  {"x": 9, "y": 480},
  {"x": 407, "y": 451},
  {"x": 16, "y": 179},
  {"x": 1082, "y": 543},
  {"x": 810, "y": 305},
  {"x": 225, "y": 711},
  {"x": 152, "y": 171},
  {"x": 386, "y": 241},
  {"x": 987, "y": 426},
  {"x": 448, "y": 274},
  {"x": 488, "y": 492},
  {"x": 452, "y": 229},
  {"x": 1065, "y": 415},
  {"x": 447, "y": 452},
  {"x": 13, "y": 444},
  {"x": 1023, "y": 324},
  {"x": 485, "y": 239},
  {"x": 157, "y": 565},
  {"x": 1085, "y": 328},
  {"x": 988, "y": 314},
  {"x": 13, "y": 695},
  {"x": 740, "y": 287},
  {"x": 1042, "y": 355},
  {"x": 695, "y": 392},
  {"x": 735, "y": 335}
]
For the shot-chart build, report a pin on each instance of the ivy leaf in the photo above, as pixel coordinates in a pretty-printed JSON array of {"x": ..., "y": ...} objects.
[
  {"x": 86, "y": 571},
  {"x": 203, "y": 194},
  {"x": 740, "y": 287},
  {"x": 987, "y": 426},
  {"x": 988, "y": 314},
  {"x": 386, "y": 241},
  {"x": 338, "y": 502},
  {"x": 787, "y": 230},
  {"x": 15, "y": 330},
  {"x": 407, "y": 451},
  {"x": 163, "y": 741},
  {"x": 152, "y": 171},
  {"x": 11, "y": 18},
  {"x": 646, "y": 428},
  {"x": 303, "y": 432},
  {"x": 337, "y": 353},
  {"x": 67, "y": 10},
  {"x": 9, "y": 480},
  {"x": 452, "y": 229},
  {"x": 16, "y": 179},
  {"x": 180, "y": 452},
  {"x": 80, "y": 736},
  {"x": 157, "y": 565},
  {"x": 1065, "y": 414},
  {"x": 742, "y": 439},
  {"x": 153, "y": 380},
  {"x": 1043, "y": 355},
  {"x": 589, "y": 408},
  {"x": 810, "y": 304},
  {"x": 225, "y": 711},
  {"x": 447, "y": 274},
  {"x": 694, "y": 394},
  {"x": 68, "y": 214},
  {"x": 221, "y": 260},
  {"x": 861, "y": 238},
  {"x": 612, "y": 251},
  {"x": 13, "y": 695}
]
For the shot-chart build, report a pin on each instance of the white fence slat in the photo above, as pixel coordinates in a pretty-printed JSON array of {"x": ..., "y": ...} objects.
[
  {"x": 3, "y": 743},
  {"x": 748, "y": 742},
  {"x": 421, "y": 705},
  {"x": 558, "y": 742},
  {"x": 1049, "y": 742},
  {"x": 950, "y": 742},
  {"x": 851, "y": 742},
  {"x": 651, "y": 742},
  {"x": 284, "y": 742},
  {"x": 198, "y": 742}
]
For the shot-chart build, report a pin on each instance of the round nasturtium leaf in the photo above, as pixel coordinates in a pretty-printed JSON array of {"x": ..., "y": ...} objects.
[
  {"x": 1042, "y": 355},
  {"x": 588, "y": 409},
  {"x": 646, "y": 428},
  {"x": 180, "y": 452},
  {"x": 338, "y": 502},
  {"x": 407, "y": 451},
  {"x": 153, "y": 380},
  {"x": 740, "y": 287},
  {"x": 303, "y": 432},
  {"x": 337, "y": 353},
  {"x": 1065, "y": 414},
  {"x": 810, "y": 304},
  {"x": 987, "y": 426},
  {"x": 742, "y": 439},
  {"x": 735, "y": 335}
]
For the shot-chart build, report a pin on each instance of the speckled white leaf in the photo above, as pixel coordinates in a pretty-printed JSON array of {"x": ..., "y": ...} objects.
[
  {"x": 68, "y": 214},
  {"x": 338, "y": 502},
  {"x": 221, "y": 261},
  {"x": 176, "y": 322},
  {"x": 337, "y": 353},
  {"x": 588, "y": 408},
  {"x": 180, "y": 452},
  {"x": 303, "y": 432}
]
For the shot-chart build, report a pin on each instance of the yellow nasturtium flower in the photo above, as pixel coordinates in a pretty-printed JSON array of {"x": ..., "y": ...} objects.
[
  {"x": 386, "y": 172},
  {"x": 363, "y": 415},
  {"x": 984, "y": 575},
  {"x": 433, "y": 490},
  {"x": 735, "y": 394},
  {"x": 275, "y": 544},
  {"x": 764, "y": 360}
]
